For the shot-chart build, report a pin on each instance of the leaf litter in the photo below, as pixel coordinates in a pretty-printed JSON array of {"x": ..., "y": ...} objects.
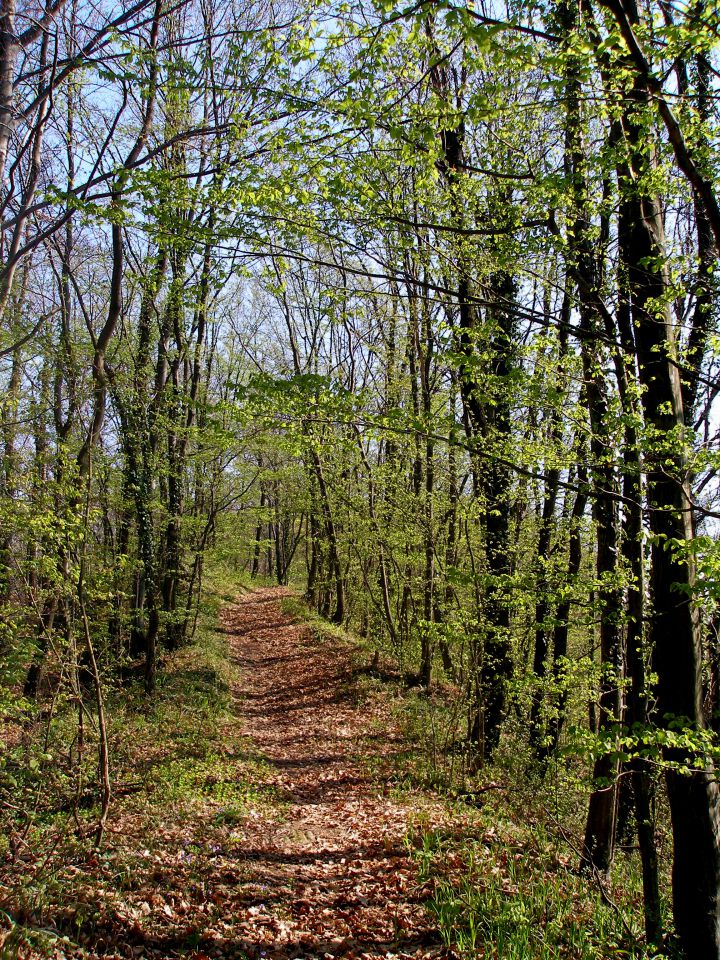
[{"x": 314, "y": 864}]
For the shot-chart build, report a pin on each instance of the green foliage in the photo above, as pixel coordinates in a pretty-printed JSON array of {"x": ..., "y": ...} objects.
[
  {"x": 518, "y": 901},
  {"x": 171, "y": 765}
]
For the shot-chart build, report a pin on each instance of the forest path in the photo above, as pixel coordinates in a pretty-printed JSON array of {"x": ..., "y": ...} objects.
[{"x": 329, "y": 869}]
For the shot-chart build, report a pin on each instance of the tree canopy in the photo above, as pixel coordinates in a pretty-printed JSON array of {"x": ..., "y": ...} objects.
[{"x": 411, "y": 306}]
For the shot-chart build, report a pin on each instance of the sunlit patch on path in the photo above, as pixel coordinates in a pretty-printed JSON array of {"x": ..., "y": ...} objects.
[
  {"x": 330, "y": 874},
  {"x": 263, "y": 820}
]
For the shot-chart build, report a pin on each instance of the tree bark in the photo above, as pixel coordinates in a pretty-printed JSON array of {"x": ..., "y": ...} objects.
[{"x": 674, "y": 634}]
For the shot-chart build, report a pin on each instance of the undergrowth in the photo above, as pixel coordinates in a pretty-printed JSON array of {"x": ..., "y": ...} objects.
[
  {"x": 182, "y": 776},
  {"x": 493, "y": 897},
  {"x": 501, "y": 879},
  {"x": 504, "y": 882}
]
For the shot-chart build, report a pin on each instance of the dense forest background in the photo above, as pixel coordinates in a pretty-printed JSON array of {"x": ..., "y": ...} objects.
[{"x": 413, "y": 307}]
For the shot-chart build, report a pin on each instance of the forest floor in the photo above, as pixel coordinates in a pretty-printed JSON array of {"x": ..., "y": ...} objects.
[
  {"x": 331, "y": 867},
  {"x": 279, "y": 797},
  {"x": 278, "y": 834}
]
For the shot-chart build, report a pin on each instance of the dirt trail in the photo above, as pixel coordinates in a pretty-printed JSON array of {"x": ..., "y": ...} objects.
[{"x": 331, "y": 876}]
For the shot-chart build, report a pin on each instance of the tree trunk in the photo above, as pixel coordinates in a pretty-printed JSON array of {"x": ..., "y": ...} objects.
[{"x": 674, "y": 634}]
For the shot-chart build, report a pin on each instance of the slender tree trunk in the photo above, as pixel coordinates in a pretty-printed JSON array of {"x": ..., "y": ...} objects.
[
  {"x": 562, "y": 614},
  {"x": 258, "y": 538},
  {"x": 8, "y": 474},
  {"x": 486, "y": 424},
  {"x": 330, "y": 531},
  {"x": 547, "y": 523}
]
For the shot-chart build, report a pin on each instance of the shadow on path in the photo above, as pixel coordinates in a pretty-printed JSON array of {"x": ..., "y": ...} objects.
[{"x": 337, "y": 874}]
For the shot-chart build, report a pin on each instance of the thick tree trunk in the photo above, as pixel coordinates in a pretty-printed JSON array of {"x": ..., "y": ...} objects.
[
  {"x": 9, "y": 50},
  {"x": 675, "y": 635},
  {"x": 637, "y": 710}
]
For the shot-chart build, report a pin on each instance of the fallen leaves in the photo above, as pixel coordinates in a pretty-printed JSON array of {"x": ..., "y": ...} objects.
[{"x": 319, "y": 868}]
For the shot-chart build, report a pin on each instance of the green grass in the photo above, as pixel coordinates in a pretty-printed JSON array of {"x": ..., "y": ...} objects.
[
  {"x": 183, "y": 776},
  {"x": 504, "y": 900},
  {"x": 295, "y": 606},
  {"x": 516, "y": 895}
]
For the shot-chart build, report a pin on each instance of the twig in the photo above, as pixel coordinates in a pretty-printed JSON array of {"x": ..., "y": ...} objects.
[
  {"x": 598, "y": 879},
  {"x": 104, "y": 752}
]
